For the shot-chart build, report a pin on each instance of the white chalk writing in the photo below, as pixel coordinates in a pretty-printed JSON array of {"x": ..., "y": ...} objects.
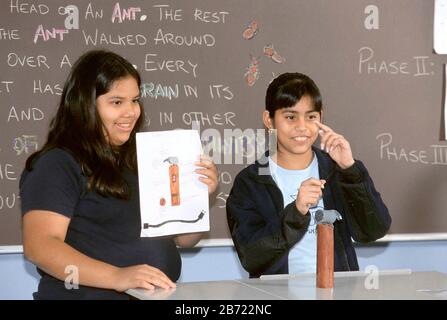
[
  {"x": 25, "y": 144},
  {"x": 151, "y": 63},
  {"x": 225, "y": 177},
  {"x": 434, "y": 155},
  {"x": 168, "y": 38},
  {"x": 222, "y": 197},
  {"x": 46, "y": 88},
  {"x": 6, "y": 172},
  {"x": 29, "y": 114},
  {"x": 16, "y": 6},
  {"x": 218, "y": 91},
  {"x": 93, "y": 14},
  {"x": 5, "y": 86},
  {"x": 157, "y": 90},
  {"x": 416, "y": 66},
  {"x": 101, "y": 38},
  {"x": 210, "y": 16},
  {"x": 65, "y": 62},
  {"x": 204, "y": 118},
  {"x": 8, "y": 201},
  {"x": 169, "y": 14},
  {"x": 9, "y": 34},
  {"x": 39, "y": 61}
]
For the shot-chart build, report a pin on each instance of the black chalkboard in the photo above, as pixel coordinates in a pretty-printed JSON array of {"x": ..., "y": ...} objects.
[{"x": 211, "y": 61}]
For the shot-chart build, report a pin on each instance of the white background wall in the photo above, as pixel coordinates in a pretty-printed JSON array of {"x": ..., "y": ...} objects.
[{"x": 18, "y": 277}]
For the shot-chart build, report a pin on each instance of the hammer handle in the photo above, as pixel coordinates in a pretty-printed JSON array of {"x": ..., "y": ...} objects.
[{"x": 325, "y": 256}]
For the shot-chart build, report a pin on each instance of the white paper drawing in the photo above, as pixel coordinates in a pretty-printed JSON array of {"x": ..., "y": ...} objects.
[
  {"x": 440, "y": 27},
  {"x": 172, "y": 199}
]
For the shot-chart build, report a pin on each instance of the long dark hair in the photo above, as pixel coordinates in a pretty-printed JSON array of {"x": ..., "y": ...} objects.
[{"x": 78, "y": 129}]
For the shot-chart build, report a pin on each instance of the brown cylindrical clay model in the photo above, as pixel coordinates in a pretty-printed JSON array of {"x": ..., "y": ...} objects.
[{"x": 325, "y": 256}]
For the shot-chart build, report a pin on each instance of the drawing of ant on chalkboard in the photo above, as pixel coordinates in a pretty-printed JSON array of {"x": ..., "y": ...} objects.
[
  {"x": 252, "y": 73},
  {"x": 250, "y": 31},
  {"x": 270, "y": 52},
  {"x": 174, "y": 182}
]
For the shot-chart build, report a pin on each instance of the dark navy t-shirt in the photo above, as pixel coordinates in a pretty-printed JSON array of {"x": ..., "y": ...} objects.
[{"x": 103, "y": 228}]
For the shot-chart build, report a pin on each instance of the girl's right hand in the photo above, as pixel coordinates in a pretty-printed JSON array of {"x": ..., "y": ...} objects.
[{"x": 141, "y": 276}]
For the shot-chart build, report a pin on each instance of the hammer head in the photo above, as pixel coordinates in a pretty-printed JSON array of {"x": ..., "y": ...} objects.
[
  {"x": 171, "y": 160},
  {"x": 327, "y": 216}
]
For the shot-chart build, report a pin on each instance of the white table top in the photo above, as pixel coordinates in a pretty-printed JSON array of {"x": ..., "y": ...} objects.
[{"x": 399, "y": 284}]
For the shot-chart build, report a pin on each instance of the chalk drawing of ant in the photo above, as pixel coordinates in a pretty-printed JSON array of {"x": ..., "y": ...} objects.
[
  {"x": 270, "y": 52},
  {"x": 252, "y": 73},
  {"x": 250, "y": 31}
]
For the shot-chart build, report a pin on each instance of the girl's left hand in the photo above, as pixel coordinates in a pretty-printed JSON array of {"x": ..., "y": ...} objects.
[
  {"x": 209, "y": 170},
  {"x": 336, "y": 145}
]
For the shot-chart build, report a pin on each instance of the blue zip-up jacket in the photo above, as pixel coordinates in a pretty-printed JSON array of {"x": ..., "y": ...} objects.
[{"x": 263, "y": 230}]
